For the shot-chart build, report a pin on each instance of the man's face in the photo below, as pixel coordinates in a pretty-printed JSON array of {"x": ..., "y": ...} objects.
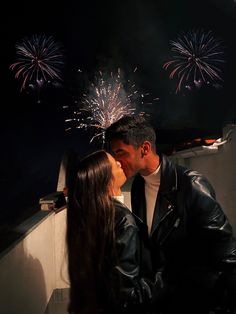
[{"x": 129, "y": 157}]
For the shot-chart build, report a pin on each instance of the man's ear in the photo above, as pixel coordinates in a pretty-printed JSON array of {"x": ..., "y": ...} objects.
[{"x": 145, "y": 148}]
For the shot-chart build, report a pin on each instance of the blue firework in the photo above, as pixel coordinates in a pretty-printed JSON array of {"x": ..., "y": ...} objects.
[
  {"x": 40, "y": 60},
  {"x": 197, "y": 58}
]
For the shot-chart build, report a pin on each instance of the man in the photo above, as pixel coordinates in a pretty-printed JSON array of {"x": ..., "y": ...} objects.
[{"x": 183, "y": 227}]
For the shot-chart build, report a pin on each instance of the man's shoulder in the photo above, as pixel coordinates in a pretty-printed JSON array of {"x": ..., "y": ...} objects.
[
  {"x": 190, "y": 174},
  {"x": 187, "y": 176},
  {"x": 186, "y": 172},
  {"x": 194, "y": 181}
]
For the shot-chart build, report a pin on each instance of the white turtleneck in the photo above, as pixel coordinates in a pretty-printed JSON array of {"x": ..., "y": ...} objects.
[{"x": 152, "y": 184}]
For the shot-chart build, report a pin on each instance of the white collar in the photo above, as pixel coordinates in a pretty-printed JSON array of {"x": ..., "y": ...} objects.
[{"x": 154, "y": 177}]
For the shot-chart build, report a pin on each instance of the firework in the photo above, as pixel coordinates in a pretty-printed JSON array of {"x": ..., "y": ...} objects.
[
  {"x": 198, "y": 58},
  {"x": 39, "y": 61},
  {"x": 106, "y": 102}
]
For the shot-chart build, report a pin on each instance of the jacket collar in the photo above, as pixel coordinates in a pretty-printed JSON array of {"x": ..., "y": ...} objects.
[
  {"x": 167, "y": 192},
  {"x": 169, "y": 180}
]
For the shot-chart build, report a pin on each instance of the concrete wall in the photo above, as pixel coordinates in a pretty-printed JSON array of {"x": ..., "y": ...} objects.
[
  {"x": 32, "y": 268},
  {"x": 220, "y": 169}
]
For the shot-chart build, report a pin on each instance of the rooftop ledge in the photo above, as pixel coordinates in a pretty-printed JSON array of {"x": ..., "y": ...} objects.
[
  {"x": 209, "y": 149},
  {"x": 196, "y": 151}
]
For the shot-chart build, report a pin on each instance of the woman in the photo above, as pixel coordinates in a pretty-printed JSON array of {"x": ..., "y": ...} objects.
[{"x": 102, "y": 240}]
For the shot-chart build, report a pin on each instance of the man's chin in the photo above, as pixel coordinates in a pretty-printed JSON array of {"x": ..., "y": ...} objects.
[{"x": 129, "y": 175}]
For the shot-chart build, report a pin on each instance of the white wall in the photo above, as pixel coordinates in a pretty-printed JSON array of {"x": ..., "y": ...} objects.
[
  {"x": 220, "y": 169},
  {"x": 31, "y": 269}
]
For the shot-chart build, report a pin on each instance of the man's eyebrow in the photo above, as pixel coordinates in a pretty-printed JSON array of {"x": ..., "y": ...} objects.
[{"x": 118, "y": 150}]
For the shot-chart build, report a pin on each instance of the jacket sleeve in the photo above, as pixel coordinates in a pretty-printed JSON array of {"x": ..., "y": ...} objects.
[
  {"x": 133, "y": 290},
  {"x": 216, "y": 235},
  {"x": 213, "y": 226}
]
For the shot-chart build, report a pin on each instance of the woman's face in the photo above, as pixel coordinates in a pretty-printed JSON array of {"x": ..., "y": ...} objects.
[{"x": 118, "y": 174}]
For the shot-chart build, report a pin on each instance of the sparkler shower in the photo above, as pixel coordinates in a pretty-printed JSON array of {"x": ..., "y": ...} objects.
[
  {"x": 107, "y": 101},
  {"x": 40, "y": 60},
  {"x": 198, "y": 58}
]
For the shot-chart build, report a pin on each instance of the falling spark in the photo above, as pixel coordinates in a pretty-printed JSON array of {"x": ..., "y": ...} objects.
[
  {"x": 198, "y": 58},
  {"x": 106, "y": 102},
  {"x": 39, "y": 61}
]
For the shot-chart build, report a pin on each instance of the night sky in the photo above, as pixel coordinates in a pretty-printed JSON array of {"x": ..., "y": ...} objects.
[{"x": 99, "y": 35}]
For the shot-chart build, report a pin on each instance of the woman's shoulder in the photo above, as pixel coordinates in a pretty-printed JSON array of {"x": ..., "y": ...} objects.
[{"x": 123, "y": 215}]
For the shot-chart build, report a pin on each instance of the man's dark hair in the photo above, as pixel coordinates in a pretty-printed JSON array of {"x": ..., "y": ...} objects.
[{"x": 132, "y": 130}]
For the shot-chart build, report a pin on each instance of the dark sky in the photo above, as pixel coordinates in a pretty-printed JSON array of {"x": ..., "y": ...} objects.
[
  {"x": 126, "y": 34},
  {"x": 96, "y": 35}
]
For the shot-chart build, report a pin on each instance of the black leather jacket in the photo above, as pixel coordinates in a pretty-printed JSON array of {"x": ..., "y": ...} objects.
[
  {"x": 134, "y": 291},
  {"x": 128, "y": 291},
  {"x": 190, "y": 230}
]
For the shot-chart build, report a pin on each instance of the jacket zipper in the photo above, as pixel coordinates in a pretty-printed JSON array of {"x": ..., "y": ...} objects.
[{"x": 171, "y": 209}]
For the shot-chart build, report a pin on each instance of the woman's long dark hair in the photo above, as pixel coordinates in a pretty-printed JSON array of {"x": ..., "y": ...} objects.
[{"x": 90, "y": 234}]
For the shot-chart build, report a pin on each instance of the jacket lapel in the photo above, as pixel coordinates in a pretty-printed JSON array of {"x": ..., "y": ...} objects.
[
  {"x": 167, "y": 193},
  {"x": 166, "y": 197},
  {"x": 139, "y": 202}
]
